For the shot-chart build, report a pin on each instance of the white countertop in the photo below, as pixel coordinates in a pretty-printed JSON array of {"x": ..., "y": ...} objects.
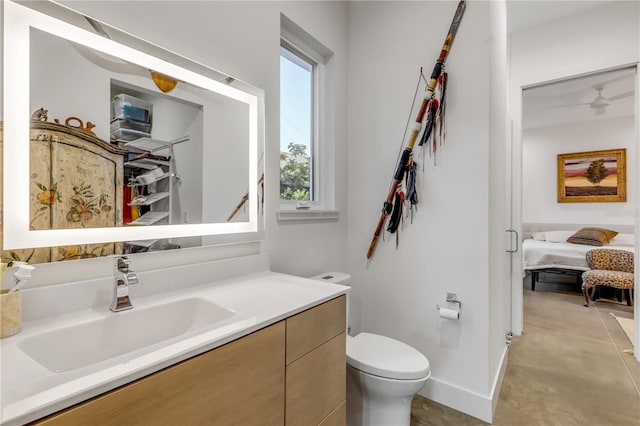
[{"x": 31, "y": 391}]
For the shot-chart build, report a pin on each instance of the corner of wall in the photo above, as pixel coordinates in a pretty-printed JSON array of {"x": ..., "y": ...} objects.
[{"x": 466, "y": 401}]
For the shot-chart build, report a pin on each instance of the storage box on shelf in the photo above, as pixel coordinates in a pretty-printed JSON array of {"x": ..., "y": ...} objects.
[
  {"x": 130, "y": 119},
  {"x": 131, "y": 108}
]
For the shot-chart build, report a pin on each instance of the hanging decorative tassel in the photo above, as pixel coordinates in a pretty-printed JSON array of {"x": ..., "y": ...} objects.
[
  {"x": 432, "y": 108},
  {"x": 412, "y": 193},
  {"x": 396, "y": 213},
  {"x": 442, "y": 82},
  {"x": 396, "y": 216},
  {"x": 433, "y": 134}
]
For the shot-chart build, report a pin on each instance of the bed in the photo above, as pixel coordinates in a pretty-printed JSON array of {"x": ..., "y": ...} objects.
[{"x": 549, "y": 252}]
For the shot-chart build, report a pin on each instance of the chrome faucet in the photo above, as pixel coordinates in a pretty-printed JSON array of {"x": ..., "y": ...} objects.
[{"x": 124, "y": 277}]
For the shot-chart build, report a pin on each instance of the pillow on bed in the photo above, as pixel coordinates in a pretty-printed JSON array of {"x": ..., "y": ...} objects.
[
  {"x": 592, "y": 236},
  {"x": 624, "y": 240},
  {"x": 538, "y": 236},
  {"x": 557, "y": 236}
]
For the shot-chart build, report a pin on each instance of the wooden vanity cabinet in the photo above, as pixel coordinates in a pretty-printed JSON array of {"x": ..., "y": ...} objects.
[
  {"x": 290, "y": 373},
  {"x": 316, "y": 365},
  {"x": 240, "y": 383}
]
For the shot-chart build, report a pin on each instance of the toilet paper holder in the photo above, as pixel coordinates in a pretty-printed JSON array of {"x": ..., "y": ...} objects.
[{"x": 451, "y": 298}]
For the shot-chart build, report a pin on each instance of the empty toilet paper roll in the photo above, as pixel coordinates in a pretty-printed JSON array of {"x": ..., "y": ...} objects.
[{"x": 449, "y": 313}]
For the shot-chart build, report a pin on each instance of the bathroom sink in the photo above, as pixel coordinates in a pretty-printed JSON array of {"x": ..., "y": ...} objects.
[{"x": 87, "y": 343}]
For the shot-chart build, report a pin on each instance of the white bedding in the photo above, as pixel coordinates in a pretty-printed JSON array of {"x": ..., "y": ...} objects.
[{"x": 544, "y": 254}]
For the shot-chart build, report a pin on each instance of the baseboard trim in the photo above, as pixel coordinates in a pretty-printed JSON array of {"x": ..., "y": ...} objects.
[
  {"x": 497, "y": 383},
  {"x": 464, "y": 400}
]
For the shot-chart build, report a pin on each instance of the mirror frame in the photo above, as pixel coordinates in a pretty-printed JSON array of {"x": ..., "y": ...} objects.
[{"x": 18, "y": 21}]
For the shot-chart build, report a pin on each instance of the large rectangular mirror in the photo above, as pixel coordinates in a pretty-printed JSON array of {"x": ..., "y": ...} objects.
[{"x": 108, "y": 138}]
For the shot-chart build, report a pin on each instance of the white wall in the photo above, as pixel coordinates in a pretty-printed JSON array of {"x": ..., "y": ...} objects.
[
  {"x": 446, "y": 248},
  {"x": 311, "y": 248},
  {"x": 572, "y": 46},
  {"x": 540, "y": 148}
]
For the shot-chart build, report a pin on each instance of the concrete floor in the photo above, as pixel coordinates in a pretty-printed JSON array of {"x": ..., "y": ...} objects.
[{"x": 568, "y": 367}]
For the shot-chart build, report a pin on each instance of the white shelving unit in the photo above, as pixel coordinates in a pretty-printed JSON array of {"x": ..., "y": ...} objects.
[
  {"x": 153, "y": 181},
  {"x": 156, "y": 174}
]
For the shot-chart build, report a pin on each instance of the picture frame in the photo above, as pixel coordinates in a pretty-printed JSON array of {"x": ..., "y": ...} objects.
[{"x": 593, "y": 176}]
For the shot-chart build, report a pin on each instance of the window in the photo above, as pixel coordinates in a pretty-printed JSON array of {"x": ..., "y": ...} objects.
[
  {"x": 307, "y": 129},
  {"x": 297, "y": 125}
]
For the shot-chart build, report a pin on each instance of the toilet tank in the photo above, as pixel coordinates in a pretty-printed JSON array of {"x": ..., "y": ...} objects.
[{"x": 334, "y": 277}]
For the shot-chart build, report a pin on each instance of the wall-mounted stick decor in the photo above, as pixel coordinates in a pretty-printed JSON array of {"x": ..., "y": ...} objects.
[
  {"x": 432, "y": 108},
  {"x": 245, "y": 198},
  {"x": 592, "y": 177}
]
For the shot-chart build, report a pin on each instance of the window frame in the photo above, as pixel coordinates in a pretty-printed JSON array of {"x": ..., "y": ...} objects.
[{"x": 323, "y": 156}]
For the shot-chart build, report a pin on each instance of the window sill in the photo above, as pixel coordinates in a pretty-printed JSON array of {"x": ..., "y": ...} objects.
[{"x": 306, "y": 215}]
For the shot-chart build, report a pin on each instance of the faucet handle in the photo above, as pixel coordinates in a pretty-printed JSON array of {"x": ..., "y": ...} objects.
[
  {"x": 123, "y": 263},
  {"x": 131, "y": 278}
]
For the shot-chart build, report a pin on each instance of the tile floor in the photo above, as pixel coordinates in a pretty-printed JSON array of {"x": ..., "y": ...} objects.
[{"x": 567, "y": 368}]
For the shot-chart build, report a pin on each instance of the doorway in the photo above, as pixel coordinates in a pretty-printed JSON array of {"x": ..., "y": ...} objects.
[
  {"x": 594, "y": 111},
  {"x": 553, "y": 41},
  {"x": 561, "y": 119}
]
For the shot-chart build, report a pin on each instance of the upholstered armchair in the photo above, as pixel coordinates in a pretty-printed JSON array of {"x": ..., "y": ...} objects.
[{"x": 609, "y": 267}]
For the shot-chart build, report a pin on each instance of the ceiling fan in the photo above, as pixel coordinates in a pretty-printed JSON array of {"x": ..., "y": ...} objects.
[{"x": 600, "y": 103}]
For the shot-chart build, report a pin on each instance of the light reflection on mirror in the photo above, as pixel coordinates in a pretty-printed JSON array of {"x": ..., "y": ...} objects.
[{"x": 76, "y": 73}]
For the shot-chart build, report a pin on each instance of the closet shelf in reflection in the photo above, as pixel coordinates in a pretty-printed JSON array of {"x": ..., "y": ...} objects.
[
  {"x": 145, "y": 200},
  {"x": 142, "y": 243},
  {"x": 154, "y": 145},
  {"x": 146, "y": 163},
  {"x": 133, "y": 182},
  {"x": 124, "y": 136},
  {"x": 149, "y": 218}
]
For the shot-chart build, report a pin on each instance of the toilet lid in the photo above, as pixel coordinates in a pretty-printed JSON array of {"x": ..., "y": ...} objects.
[{"x": 386, "y": 357}]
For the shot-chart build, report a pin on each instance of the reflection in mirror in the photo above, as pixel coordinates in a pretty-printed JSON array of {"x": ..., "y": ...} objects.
[{"x": 118, "y": 155}]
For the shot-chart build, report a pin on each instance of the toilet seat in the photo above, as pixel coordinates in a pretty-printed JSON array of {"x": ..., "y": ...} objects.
[{"x": 386, "y": 357}]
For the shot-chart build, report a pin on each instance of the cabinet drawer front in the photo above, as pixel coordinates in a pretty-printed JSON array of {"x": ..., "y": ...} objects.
[
  {"x": 338, "y": 417},
  {"x": 313, "y": 327},
  {"x": 316, "y": 383},
  {"x": 240, "y": 383}
]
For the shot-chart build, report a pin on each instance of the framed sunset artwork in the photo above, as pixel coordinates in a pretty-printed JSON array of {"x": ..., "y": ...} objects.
[{"x": 592, "y": 177}]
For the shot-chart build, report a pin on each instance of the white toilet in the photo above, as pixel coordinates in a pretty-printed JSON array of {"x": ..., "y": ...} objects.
[{"x": 383, "y": 374}]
